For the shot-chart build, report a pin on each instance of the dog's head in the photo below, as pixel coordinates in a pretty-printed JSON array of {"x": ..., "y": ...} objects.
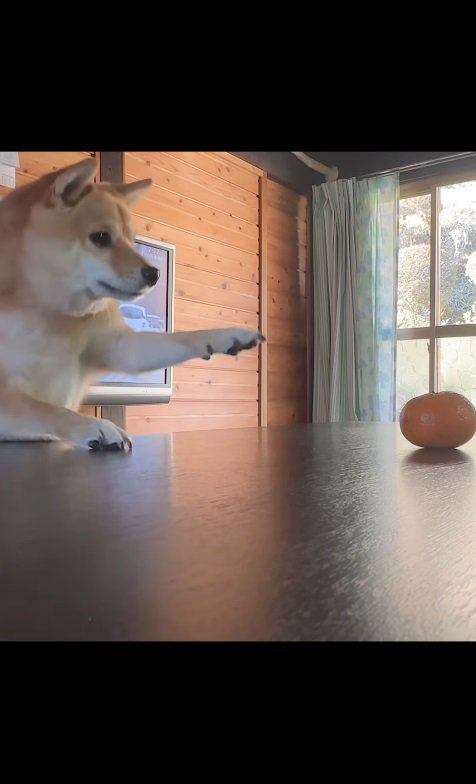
[{"x": 78, "y": 244}]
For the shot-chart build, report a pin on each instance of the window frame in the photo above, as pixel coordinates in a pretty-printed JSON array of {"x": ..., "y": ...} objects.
[{"x": 431, "y": 186}]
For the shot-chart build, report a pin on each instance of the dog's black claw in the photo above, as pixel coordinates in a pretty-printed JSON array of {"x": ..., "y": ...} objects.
[
  {"x": 251, "y": 344},
  {"x": 235, "y": 348},
  {"x": 113, "y": 447},
  {"x": 97, "y": 446},
  {"x": 209, "y": 349}
]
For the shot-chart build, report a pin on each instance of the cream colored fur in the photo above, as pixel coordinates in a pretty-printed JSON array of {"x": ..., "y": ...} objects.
[{"x": 66, "y": 258}]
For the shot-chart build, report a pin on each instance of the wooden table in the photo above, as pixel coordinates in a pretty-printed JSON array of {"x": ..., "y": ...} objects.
[{"x": 334, "y": 532}]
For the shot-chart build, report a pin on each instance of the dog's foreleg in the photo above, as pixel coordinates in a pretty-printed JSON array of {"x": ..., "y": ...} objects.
[
  {"x": 133, "y": 352},
  {"x": 23, "y": 418}
]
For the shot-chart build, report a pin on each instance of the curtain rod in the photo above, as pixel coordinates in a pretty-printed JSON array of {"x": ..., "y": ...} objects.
[
  {"x": 331, "y": 173},
  {"x": 420, "y": 165}
]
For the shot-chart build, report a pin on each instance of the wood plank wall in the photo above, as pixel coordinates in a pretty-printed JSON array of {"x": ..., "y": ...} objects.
[
  {"x": 36, "y": 164},
  {"x": 287, "y": 262},
  {"x": 207, "y": 205}
]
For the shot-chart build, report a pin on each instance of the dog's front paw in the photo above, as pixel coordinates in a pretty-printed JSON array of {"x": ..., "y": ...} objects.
[
  {"x": 99, "y": 435},
  {"x": 231, "y": 341}
]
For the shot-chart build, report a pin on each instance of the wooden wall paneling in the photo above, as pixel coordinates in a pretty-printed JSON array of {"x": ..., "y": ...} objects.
[
  {"x": 208, "y": 206},
  {"x": 287, "y": 261}
]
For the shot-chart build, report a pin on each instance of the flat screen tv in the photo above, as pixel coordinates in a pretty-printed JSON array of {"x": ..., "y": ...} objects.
[{"x": 153, "y": 313}]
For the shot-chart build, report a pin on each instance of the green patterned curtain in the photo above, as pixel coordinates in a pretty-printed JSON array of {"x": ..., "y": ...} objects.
[{"x": 355, "y": 232}]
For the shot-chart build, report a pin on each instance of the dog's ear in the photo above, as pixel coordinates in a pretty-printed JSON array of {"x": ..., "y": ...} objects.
[
  {"x": 71, "y": 183},
  {"x": 132, "y": 191}
]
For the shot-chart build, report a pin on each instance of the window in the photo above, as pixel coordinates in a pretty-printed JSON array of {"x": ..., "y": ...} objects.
[{"x": 436, "y": 312}]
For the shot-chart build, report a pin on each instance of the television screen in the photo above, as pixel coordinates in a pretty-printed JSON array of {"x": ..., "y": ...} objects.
[{"x": 152, "y": 313}]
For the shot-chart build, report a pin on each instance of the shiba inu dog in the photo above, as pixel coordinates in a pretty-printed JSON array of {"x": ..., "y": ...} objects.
[{"x": 67, "y": 259}]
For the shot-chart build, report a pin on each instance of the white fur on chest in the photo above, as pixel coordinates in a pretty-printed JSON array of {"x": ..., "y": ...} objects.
[{"x": 40, "y": 359}]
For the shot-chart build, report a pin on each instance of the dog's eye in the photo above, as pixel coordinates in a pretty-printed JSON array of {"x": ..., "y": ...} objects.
[{"x": 102, "y": 239}]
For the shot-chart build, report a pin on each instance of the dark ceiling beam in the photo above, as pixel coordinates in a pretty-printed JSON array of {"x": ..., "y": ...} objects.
[{"x": 285, "y": 168}]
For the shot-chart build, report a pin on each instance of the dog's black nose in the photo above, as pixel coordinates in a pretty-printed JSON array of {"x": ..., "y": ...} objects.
[{"x": 150, "y": 275}]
